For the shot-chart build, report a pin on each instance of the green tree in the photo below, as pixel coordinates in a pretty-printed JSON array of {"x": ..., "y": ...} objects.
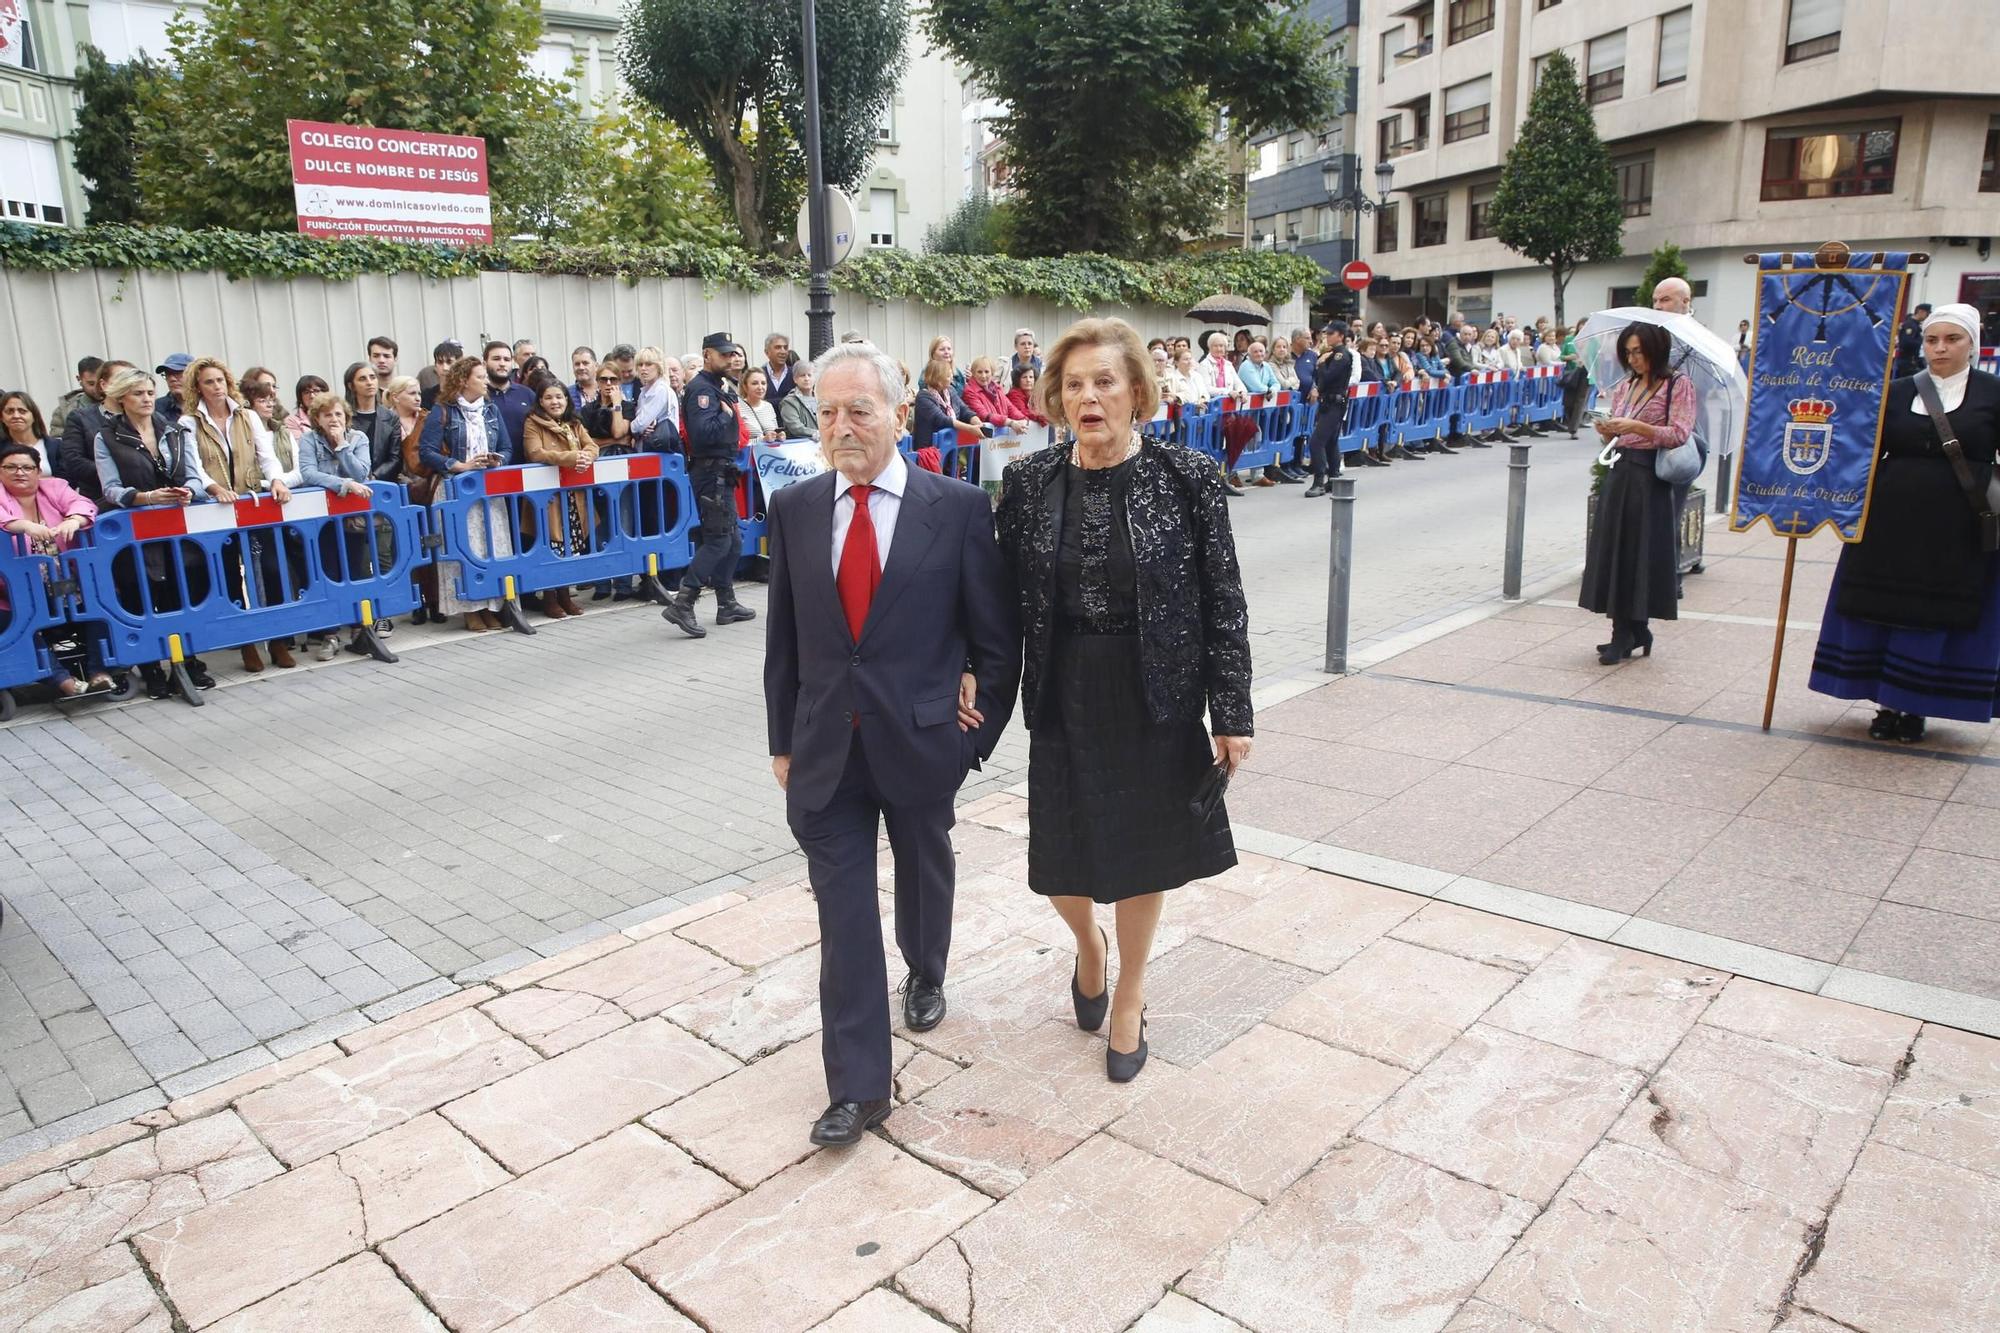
[
  {"x": 1110, "y": 106},
  {"x": 732, "y": 78},
  {"x": 652, "y": 187},
  {"x": 213, "y": 151},
  {"x": 1557, "y": 201},
  {"x": 1665, "y": 263},
  {"x": 103, "y": 141},
  {"x": 976, "y": 226}
]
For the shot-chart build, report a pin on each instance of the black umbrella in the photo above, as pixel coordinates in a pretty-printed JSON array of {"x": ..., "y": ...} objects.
[{"x": 1231, "y": 309}]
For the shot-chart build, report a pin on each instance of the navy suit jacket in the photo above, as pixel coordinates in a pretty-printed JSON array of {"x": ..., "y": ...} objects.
[{"x": 941, "y": 609}]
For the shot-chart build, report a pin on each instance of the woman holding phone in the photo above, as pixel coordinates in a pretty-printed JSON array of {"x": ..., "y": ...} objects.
[{"x": 464, "y": 433}]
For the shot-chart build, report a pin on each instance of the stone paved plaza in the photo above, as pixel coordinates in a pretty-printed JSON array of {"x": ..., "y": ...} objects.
[{"x": 1547, "y": 996}]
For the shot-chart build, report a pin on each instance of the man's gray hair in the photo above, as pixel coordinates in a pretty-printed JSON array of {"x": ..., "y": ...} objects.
[
  {"x": 1023, "y": 333},
  {"x": 770, "y": 338},
  {"x": 886, "y": 369},
  {"x": 1302, "y": 333}
]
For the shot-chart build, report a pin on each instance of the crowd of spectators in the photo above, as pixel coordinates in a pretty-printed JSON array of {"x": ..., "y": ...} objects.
[{"x": 191, "y": 430}]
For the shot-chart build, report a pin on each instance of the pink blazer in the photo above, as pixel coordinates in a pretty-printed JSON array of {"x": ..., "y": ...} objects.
[{"x": 55, "y": 493}]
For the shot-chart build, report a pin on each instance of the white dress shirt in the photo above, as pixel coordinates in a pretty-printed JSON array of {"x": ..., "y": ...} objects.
[
  {"x": 885, "y": 501},
  {"x": 1951, "y": 392}
]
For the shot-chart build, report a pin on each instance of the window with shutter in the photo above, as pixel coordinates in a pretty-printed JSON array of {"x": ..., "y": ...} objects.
[{"x": 1675, "y": 31}]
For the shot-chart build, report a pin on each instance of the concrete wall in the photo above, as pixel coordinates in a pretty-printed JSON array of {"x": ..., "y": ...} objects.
[{"x": 312, "y": 326}]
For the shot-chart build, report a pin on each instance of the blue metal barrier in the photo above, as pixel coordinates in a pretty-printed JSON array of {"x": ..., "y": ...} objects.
[
  {"x": 1488, "y": 397},
  {"x": 28, "y": 607},
  {"x": 1367, "y": 411},
  {"x": 633, "y": 512},
  {"x": 168, "y": 581}
]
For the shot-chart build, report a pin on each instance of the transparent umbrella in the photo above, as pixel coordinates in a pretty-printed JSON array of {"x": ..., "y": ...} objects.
[{"x": 1709, "y": 361}]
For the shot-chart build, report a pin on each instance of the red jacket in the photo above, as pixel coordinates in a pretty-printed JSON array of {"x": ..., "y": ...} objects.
[
  {"x": 988, "y": 405},
  {"x": 1019, "y": 408}
]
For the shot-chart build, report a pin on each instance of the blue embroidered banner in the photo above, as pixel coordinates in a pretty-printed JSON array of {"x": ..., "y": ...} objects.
[{"x": 1819, "y": 375}]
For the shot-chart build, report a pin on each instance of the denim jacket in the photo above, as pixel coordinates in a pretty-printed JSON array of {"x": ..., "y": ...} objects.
[
  {"x": 443, "y": 441},
  {"x": 323, "y": 463}
]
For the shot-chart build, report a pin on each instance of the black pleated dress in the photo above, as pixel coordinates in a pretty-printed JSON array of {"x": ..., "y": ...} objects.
[{"x": 1108, "y": 787}]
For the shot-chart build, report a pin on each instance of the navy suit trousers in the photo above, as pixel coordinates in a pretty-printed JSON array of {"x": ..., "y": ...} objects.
[{"x": 839, "y": 844}]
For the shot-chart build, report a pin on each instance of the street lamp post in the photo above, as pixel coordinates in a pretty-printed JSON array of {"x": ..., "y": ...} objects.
[
  {"x": 1354, "y": 200},
  {"x": 819, "y": 288}
]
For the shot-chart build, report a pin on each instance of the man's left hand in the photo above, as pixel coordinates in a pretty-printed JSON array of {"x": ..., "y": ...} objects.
[{"x": 968, "y": 694}]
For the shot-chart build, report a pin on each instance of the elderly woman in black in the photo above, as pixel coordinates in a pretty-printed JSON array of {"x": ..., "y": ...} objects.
[
  {"x": 1135, "y": 624},
  {"x": 1913, "y": 618}
]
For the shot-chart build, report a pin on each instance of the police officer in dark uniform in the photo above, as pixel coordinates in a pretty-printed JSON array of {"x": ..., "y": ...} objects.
[
  {"x": 1333, "y": 377},
  {"x": 709, "y": 425}
]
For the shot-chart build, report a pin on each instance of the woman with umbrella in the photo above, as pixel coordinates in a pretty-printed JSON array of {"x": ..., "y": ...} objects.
[{"x": 1913, "y": 618}]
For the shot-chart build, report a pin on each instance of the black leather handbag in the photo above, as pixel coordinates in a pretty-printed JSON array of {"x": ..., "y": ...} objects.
[{"x": 1985, "y": 504}]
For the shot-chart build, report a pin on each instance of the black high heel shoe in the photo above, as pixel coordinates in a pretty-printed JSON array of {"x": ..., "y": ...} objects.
[
  {"x": 1124, "y": 1066},
  {"x": 1090, "y": 1010},
  {"x": 1642, "y": 639},
  {"x": 1620, "y": 647},
  {"x": 1885, "y": 725}
]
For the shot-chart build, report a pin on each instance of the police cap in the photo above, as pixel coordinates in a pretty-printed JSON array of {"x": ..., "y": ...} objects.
[{"x": 720, "y": 342}]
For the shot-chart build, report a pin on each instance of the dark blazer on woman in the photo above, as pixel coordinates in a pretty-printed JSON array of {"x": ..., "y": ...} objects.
[
  {"x": 927, "y": 419},
  {"x": 1194, "y": 624},
  {"x": 1919, "y": 561}
]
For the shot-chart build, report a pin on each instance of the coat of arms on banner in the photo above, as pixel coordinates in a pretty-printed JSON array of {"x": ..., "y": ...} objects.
[{"x": 1808, "y": 435}]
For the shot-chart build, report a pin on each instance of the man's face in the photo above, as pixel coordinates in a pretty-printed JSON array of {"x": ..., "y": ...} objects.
[
  {"x": 583, "y": 367},
  {"x": 713, "y": 361},
  {"x": 857, "y": 429},
  {"x": 1256, "y": 353},
  {"x": 500, "y": 365},
  {"x": 174, "y": 378},
  {"x": 778, "y": 351},
  {"x": 383, "y": 360},
  {"x": 1672, "y": 296},
  {"x": 92, "y": 384},
  {"x": 442, "y": 363},
  {"x": 523, "y": 350},
  {"x": 1024, "y": 346}
]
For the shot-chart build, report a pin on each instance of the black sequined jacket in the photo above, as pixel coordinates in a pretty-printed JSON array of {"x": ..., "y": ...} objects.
[{"x": 1194, "y": 626}]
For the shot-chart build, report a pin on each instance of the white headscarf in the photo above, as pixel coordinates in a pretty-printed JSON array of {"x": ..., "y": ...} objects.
[{"x": 1951, "y": 390}]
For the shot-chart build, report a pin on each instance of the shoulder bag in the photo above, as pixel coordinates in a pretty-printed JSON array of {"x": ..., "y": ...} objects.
[
  {"x": 1681, "y": 464},
  {"x": 1985, "y": 504}
]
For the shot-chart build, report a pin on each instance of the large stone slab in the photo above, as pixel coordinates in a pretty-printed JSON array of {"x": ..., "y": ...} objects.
[
  {"x": 1782, "y": 1120},
  {"x": 650, "y": 976},
  {"x": 752, "y": 1014},
  {"x": 1948, "y": 1107},
  {"x": 360, "y": 1293},
  {"x": 809, "y": 1240},
  {"x": 1177, "y": 1314},
  {"x": 65, "y": 1215},
  {"x": 1613, "y": 1003},
  {"x": 107, "y": 1290},
  {"x": 235, "y": 1253},
  {"x": 1637, "y": 1241},
  {"x": 1835, "y": 1029},
  {"x": 1260, "y": 1111},
  {"x": 752, "y": 1124},
  {"x": 554, "y": 1021},
  {"x": 1317, "y": 923},
  {"x": 1024, "y": 1253},
  {"x": 612, "y": 1302},
  {"x": 547, "y": 1110},
  {"x": 1396, "y": 1002},
  {"x": 346, "y": 1100},
  {"x": 504, "y": 1253},
  {"x": 1206, "y": 994},
  {"x": 414, "y": 1172},
  {"x": 1368, "y": 1240},
  {"x": 1504, "y": 1110},
  {"x": 1909, "y": 1246},
  {"x": 1519, "y": 946},
  {"x": 995, "y": 997},
  {"x": 1016, "y": 1111},
  {"x": 760, "y": 931},
  {"x": 882, "y": 1311}
]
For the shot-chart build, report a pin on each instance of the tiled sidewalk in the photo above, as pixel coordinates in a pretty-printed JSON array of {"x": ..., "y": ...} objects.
[
  {"x": 1368, "y": 1109},
  {"x": 1501, "y": 767}
]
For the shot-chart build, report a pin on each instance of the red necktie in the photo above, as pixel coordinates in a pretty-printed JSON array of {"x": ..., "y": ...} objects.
[{"x": 860, "y": 571}]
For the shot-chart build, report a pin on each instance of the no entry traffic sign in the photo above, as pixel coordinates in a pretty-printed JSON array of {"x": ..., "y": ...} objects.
[{"x": 1356, "y": 276}]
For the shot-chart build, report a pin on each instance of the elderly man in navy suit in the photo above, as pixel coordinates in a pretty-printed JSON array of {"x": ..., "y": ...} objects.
[{"x": 891, "y": 665}]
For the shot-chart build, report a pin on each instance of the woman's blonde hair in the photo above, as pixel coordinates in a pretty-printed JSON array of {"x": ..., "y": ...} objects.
[
  {"x": 123, "y": 383},
  {"x": 321, "y": 405},
  {"x": 193, "y": 380},
  {"x": 396, "y": 385},
  {"x": 984, "y": 363},
  {"x": 1132, "y": 357},
  {"x": 930, "y": 354},
  {"x": 651, "y": 356}
]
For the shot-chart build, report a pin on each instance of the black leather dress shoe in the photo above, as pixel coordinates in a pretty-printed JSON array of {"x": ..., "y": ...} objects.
[
  {"x": 843, "y": 1123},
  {"x": 923, "y": 1004}
]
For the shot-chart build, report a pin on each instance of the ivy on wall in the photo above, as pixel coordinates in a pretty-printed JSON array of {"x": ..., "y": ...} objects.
[{"x": 1076, "y": 282}]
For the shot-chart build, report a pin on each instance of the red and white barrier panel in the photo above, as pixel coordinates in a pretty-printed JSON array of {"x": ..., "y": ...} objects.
[
  {"x": 546, "y": 477},
  {"x": 256, "y": 511},
  {"x": 1365, "y": 389},
  {"x": 1488, "y": 376},
  {"x": 1540, "y": 372}
]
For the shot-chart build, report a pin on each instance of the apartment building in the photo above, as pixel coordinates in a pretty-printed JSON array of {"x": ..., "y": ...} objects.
[
  {"x": 1286, "y": 199},
  {"x": 914, "y": 180},
  {"x": 1735, "y": 125}
]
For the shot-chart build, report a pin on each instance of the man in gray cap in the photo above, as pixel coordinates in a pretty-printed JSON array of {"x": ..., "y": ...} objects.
[
  {"x": 173, "y": 368},
  {"x": 709, "y": 427}
]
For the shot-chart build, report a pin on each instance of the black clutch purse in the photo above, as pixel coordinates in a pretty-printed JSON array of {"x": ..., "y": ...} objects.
[{"x": 1208, "y": 792}]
